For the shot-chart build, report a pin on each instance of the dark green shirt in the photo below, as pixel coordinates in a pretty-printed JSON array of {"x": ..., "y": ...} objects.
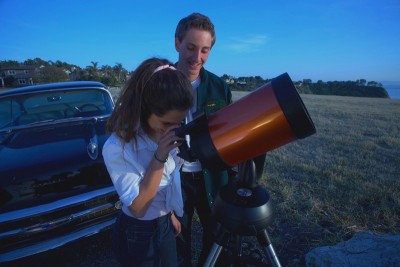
[{"x": 213, "y": 94}]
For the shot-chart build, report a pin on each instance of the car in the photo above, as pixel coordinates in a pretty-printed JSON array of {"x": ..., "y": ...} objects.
[{"x": 54, "y": 186}]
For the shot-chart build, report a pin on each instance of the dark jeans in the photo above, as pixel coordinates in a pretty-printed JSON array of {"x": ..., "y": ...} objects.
[
  {"x": 144, "y": 243},
  {"x": 194, "y": 198}
]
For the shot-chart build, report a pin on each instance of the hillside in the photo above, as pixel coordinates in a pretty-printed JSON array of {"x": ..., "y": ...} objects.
[{"x": 339, "y": 88}]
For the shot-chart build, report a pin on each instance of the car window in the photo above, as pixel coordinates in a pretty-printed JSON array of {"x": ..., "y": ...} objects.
[
  {"x": 50, "y": 106},
  {"x": 9, "y": 110}
]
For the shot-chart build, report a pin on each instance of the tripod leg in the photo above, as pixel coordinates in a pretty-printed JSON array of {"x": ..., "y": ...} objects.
[
  {"x": 222, "y": 236},
  {"x": 265, "y": 242},
  {"x": 213, "y": 256}
]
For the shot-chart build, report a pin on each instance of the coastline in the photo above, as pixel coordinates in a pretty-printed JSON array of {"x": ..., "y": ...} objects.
[{"x": 393, "y": 89}]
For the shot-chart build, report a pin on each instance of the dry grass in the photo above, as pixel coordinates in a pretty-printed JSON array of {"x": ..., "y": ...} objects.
[
  {"x": 341, "y": 180},
  {"x": 325, "y": 188}
]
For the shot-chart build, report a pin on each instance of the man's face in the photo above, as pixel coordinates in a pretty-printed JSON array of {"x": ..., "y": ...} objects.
[{"x": 193, "y": 52}]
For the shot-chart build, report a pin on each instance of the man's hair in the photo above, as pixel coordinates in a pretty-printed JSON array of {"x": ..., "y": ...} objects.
[{"x": 196, "y": 21}]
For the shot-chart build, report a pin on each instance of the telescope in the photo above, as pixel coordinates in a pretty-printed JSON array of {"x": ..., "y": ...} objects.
[{"x": 269, "y": 117}]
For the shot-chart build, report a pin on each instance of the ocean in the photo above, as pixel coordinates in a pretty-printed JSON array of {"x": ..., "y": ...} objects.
[{"x": 393, "y": 89}]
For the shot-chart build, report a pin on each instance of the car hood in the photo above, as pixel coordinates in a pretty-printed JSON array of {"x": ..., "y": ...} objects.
[{"x": 43, "y": 163}]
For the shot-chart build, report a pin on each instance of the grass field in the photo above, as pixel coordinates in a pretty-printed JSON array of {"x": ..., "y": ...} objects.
[
  {"x": 341, "y": 180},
  {"x": 325, "y": 188}
]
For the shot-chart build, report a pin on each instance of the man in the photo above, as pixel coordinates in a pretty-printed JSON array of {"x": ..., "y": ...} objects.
[{"x": 194, "y": 39}]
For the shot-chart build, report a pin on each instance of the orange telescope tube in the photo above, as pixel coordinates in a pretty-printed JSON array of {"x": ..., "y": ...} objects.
[{"x": 267, "y": 118}]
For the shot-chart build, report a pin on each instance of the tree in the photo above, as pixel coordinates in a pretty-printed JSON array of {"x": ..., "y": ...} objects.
[
  {"x": 94, "y": 64},
  {"x": 36, "y": 61},
  {"x": 9, "y": 63},
  {"x": 361, "y": 82},
  {"x": 107, "y": 76},
  {"x": 93, "y": 71},
  {"x": 107, "y": 70},
  {"x": 50, "y": 74},
  {"x": 117, "y": 71},
  {"x": 225, "y": 77}
]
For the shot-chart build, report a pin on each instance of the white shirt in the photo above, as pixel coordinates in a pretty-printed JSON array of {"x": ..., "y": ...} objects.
[
  {"x": 127, "y": 166},
  {"x": 194, "y": 166}
]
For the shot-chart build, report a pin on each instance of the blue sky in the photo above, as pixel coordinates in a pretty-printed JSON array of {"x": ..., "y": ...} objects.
[{"x": 317, "y": 39}]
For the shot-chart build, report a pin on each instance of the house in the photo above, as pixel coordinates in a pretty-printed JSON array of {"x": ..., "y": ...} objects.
[
  {"x": 242, "y": 82},
  {"x": 229, "y": 80},
  {"x": 17, "y": 76}
]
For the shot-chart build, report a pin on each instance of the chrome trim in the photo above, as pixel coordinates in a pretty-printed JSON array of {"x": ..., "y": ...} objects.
[
  {"x": 52, "y": 224},
  {"x": 78, "y": 120},
  {"x": 54, "y": 243},
  {"x": 93, "y": 147},
  {"x": 28, "y": 212}
]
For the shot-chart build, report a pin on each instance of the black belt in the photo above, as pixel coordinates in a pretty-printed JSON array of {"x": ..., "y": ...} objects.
[{"x": 194, "y": 175}]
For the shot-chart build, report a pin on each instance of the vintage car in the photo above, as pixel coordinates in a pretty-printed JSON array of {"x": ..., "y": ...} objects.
[{"x": 54, "y": 186}]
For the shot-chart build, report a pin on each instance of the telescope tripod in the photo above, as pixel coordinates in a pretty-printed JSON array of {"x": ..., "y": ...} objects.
[{"x": 242, "y": 208}]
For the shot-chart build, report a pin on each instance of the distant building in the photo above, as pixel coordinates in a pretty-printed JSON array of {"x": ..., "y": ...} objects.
[
  {"x": 298, "y": 84},
  {"x": 229, "y": 80},
  {"x": 18, "y": 76}
]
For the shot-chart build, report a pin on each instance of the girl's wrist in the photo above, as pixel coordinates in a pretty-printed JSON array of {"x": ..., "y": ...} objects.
[{"x": 160, "y": 160}]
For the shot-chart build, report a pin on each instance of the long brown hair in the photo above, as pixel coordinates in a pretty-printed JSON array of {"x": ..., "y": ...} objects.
[{"x": 148, "y": 92}]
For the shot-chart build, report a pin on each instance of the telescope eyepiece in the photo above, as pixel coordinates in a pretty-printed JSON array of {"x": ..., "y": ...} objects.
[{"x": 181, "y": 131}]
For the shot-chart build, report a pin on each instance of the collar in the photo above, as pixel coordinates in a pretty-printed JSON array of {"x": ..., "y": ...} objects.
[
  {"x": 196, "y": 82},
  {"x": 144, "y": 141}
]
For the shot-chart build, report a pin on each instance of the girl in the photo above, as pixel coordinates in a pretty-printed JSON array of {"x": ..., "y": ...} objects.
[{"x": 141, "y": 158}]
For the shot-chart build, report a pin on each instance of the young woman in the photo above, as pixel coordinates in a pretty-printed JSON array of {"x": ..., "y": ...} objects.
[{"x": 141, "y": 157}]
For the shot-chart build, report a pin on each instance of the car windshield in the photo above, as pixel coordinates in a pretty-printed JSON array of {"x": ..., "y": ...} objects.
[{"x": 38, "y": 107}]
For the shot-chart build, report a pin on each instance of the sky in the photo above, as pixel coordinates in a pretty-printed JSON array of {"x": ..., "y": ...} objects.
[{"x": 324, "y": 40}]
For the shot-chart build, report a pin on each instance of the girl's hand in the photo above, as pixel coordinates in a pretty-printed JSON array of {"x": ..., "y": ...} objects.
[
  {"x": 167, "y": 142},
  {"x": 176, "y": 224}
]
